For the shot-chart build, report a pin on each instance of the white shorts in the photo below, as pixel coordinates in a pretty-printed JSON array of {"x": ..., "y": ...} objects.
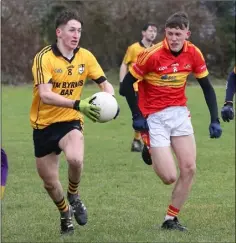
[{"x": 172, "y": 121}]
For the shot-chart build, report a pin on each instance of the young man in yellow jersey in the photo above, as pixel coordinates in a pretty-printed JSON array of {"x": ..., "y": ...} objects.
[
  {"x": 149, "y": 33},
  {"x": 60, "y": 71}
]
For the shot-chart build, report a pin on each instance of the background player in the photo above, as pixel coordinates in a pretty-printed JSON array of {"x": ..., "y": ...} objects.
[{"x": 149, "y": 33}]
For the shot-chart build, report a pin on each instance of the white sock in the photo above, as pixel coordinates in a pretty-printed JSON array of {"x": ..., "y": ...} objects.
[{"x": 167, "y": 217}]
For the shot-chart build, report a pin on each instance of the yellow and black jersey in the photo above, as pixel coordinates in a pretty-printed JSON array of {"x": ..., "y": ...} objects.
[
  {"x": 131, "y": 56},
  {"x": 132, "y": 53},
  {"x": 67, "y": 78}
]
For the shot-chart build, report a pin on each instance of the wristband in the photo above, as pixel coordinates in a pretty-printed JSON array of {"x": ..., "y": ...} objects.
[
  {"x": 228, "y": 103},
  {"x": 76, "y": 105}
]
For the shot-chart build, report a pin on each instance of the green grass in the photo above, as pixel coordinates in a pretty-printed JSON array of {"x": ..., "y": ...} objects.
[{"x": 126, "y": 201}]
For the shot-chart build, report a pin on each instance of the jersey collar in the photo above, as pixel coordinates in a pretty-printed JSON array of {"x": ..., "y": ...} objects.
[
  {"x": 141, "y": 44},
  {"x": 57, "y": 52}
]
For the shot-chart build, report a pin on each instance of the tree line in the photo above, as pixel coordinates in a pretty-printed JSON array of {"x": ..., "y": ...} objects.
[{"x": 109, "y": 27}]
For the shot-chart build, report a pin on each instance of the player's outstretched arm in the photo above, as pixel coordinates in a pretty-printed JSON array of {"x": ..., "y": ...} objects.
[
  {"x": 227, "y": 111},
  {"x": 127, "y": 90},
  {"x": 139, "y": 122},
  {"x": 210, "y": 97},
  {"x": 107, "y": 87}
]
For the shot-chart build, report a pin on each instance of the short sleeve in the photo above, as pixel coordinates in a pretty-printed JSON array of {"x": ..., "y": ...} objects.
[
  {"x": 42, "y": 70},
  {"x": 94, "y": 69},
  {"x": 142, "y": 66},
  {"x": 128, "y": 56}
]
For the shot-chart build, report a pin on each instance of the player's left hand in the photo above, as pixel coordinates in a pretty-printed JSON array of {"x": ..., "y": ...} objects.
[
  {"x": 227, "y": 112},
  {"x": 87, "y": 108},
  {"x": 215, "y": 129}
]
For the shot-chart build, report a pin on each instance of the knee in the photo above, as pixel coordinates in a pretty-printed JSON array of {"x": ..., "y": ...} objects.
[
  {"x": 75, "y": 161},
  {"x": 50, "y": 185},
  {"x": 188, "y": 169},
  {"x": 169, "y": 179}
]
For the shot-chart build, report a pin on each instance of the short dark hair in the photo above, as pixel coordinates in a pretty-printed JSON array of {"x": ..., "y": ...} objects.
[
  {"x": 145, "y": 27},
  {"x": 178, "y": 20},
  {"x": 66, "y": 15}
]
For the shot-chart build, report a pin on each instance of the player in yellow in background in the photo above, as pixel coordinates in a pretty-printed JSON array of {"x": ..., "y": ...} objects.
[
  {"x": 60, "y": 71},
  {"x": 149, "y": 33}
]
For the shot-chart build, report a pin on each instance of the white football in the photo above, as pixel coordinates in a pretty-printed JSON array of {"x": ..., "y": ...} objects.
[{"x": 108, "y": 105}]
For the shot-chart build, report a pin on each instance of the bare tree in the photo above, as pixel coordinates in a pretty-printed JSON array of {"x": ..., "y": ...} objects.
[
  {"x": 20, "y": 37},
  {"x": 109, "y": 27}
]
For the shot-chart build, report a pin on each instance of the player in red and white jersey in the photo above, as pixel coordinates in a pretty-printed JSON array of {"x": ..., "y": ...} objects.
[
  {"x": 160, "y": 112},
  {"x": 165, "y": 81}
]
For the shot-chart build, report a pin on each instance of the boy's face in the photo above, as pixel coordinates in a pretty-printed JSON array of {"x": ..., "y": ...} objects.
[
  {"x": 70, "y": 34},
  {"x": 176, "y": 37},
  {"x": 150, "y": 34}
]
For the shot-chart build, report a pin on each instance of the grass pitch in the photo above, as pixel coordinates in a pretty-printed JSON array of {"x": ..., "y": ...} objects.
[{"x": 126, "y": 201}]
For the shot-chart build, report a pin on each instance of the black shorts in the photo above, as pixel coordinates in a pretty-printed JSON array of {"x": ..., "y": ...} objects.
[{"x": 46, "y": 140}]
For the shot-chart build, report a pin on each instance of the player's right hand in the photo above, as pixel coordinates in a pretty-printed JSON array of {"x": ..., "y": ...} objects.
[
  {"x": 215, "y": 129},
  {"x": 140, "y": 123},
  {"x": 87, "y": 108},
  {"x": 227, "y": 112}
]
